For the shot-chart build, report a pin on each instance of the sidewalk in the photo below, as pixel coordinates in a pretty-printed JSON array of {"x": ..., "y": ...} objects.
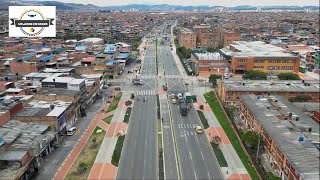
[{"x": 102, "y": 167}]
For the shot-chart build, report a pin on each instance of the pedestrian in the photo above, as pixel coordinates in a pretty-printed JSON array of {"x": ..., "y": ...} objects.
[{"x": 162, "y": 119}]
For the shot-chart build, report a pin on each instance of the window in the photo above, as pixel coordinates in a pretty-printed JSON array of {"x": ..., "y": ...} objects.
[
  {"x": 241, "y": 60},
  {"x": 258, "y": 61}
]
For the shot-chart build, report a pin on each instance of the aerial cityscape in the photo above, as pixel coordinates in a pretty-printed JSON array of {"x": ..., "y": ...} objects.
[{"x": 168, "y": 90}]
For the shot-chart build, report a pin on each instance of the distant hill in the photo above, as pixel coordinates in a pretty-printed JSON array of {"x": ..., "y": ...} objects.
[{"x": 74, "y": 6}]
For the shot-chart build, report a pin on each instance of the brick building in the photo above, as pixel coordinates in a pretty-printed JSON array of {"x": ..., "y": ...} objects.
[
  {"x": 229, "y": 91},
  {"x": 290, "y": 138},
  {"x": 258, "y": 55},
  {"x": 206, "y": 64},
  {"x": 186, "y": 37}
]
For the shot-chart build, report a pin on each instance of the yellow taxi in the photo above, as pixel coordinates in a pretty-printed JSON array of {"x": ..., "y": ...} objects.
[{"x": 198, "y": 129}]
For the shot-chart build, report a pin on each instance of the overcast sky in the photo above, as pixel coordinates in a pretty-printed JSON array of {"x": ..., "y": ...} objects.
[{"x": 228, "y": 3}]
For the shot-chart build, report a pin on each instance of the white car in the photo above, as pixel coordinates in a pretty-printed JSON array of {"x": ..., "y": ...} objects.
[
  {"x": 71, "y": 131},
  {"x": 180, "y": 97}
]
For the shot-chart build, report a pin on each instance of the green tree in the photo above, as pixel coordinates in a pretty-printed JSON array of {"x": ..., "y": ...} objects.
[
  {"x": 211, "y": 49},
  {"x": 255, "y": 75},
  {"x": 288, "y": 76},
  {"x": 271, "y": 176},
  {"x": 300, "y": 98},
  {"x": 213, "y": 79},
  {"x": 251, "y": 138}
]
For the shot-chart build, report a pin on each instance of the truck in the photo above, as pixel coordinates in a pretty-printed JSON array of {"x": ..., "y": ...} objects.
[
  {"x": 187, "y": 97},
  {"x": 183, "y": 109},
  {"x": 137, "y": 81}
]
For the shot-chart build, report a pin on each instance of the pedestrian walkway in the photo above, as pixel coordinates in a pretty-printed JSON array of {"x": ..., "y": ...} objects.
[
  {"x": 147, "y": 76},
  {"x": 102, "y": 167},
  {"x": 145, "y": 92}
]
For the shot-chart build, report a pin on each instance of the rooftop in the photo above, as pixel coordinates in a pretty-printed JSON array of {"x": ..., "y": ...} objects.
[
  {"x": 304, "y": 156},
  {"x": 271, "y": 86},
  {"x": 93, "y": 40},
  {"x": 256, "y": 49},
  {"x": 209, "y": 56},
  {"x": 57, "y": 92}
]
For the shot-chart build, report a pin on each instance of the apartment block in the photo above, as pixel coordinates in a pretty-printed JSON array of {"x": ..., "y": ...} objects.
[
  {"x": 290, "y": 138},
  {"x": 229, "y": 91},
  {"x": 187, "y": 38}
]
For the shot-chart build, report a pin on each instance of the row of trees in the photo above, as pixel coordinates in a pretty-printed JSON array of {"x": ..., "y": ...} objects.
[
  {"x": 184, "y": 52},
  {"x": 259, "y": 75}
]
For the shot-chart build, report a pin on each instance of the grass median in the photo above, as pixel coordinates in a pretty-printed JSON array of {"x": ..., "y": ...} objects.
[
  {"x": 220, "y": 157},
  {"x": 117, "y": 151},
  {"x": 203, "y": 119},
  {"x": 127, "y": 116},
  {"x": 83, "y": 164},
  {"x": 107, "y": 119},
  {"x": 227, "y": 127},
  {"x": 161, "y": 170},
  {"x": 114, "y": 104}
]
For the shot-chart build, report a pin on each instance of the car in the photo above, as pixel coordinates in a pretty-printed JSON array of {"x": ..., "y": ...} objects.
[
  {"x": 186, "y": 84},
  {"x": 109, "y": 84},
  {"x": 130, "y": 72},
  {"x": 198, "y": 129},
  {"x": 174, "y": 101},
  {"x": 105, "y": 86},
  {"x": 71, "y": 131},
  {"x": 172, "y": 96},
  {"x": 180, "y": 97}
]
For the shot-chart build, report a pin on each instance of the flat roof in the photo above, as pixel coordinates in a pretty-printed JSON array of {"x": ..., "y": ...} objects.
[
  {"x": 14, "y": 90},
  {"x": 209, "y": 56},
  {"x": 304, "y": 156},
  {"x": 63, "y": 80},
  {"x": 57, "y": 91},
  {"x": 12, "y": 155},
  {"x": 270, "y": 86},
  {"x": 89, "y": 59},
  {"x": 57, "y": 111},
  {"x": 257, "y": 49}
]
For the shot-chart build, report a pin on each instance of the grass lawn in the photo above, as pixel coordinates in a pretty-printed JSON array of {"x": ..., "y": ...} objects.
[
  {"x": 220, "y": 157},
  {"x": 114, "y": 104},
  {"x": 227, "y": 127},
  {"x": 107, "y": 119},
  {"x": 86, "y": 157},
  {"x": 203, "y": 119},
  {"x": 127, "y": 116},
  {"x": 117, "y": 151}
]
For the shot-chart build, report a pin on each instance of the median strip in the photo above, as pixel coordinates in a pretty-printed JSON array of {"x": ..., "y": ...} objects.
[
  {"x": 117, "y": 151},
  {"x": 83, "y": 164},
  {"x": 114, "y": 104}
]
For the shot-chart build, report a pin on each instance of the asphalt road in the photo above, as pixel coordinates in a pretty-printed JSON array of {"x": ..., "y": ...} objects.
[
  {"x": 139, "y": 158},
  {"x": 195, "y": 155}
]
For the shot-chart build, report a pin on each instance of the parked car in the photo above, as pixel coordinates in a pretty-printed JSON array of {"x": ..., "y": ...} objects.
[
  {"x": 172, "y": 96},
  {"x": 71, "y": 131},
  {"x": 117, "y": 88},
  {"x": 130, "y": 72}
]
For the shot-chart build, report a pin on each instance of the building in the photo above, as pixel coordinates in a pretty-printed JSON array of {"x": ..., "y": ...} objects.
[
  {"x": 52, "y": 113},
  {"x": 258, "y": 55},
  {"x": 187, "y": 38},
  {"x": 23, "y": 148},
  {"x": 206, "y": 64},
  {"x": 26, "y": 64},
  {"x": 229, "y": 91},
  {"x": 290, "y": 138}
]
